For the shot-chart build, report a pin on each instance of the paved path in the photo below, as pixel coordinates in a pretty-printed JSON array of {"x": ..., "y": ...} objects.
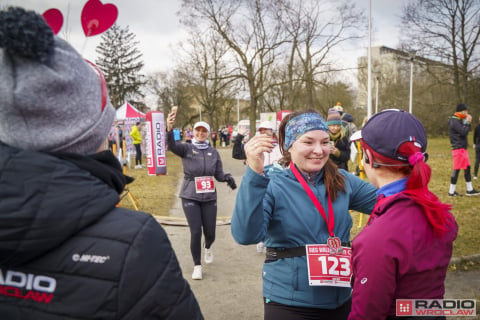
[{"x": 232, "y": 286}]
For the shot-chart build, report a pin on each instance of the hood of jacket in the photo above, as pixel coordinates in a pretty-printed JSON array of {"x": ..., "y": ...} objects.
[{"x": 45, "y": 199}]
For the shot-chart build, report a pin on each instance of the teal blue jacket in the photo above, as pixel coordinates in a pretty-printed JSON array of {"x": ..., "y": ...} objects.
[{"x": 276, "y": 209}]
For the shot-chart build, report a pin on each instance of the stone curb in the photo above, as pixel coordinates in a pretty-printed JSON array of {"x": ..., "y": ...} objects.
[
  {"x": 179, "y": 221},
  {"x": 458, "y": 260}
]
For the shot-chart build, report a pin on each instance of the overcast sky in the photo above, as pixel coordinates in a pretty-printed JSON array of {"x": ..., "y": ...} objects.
[{"x": 156, "y": 27}]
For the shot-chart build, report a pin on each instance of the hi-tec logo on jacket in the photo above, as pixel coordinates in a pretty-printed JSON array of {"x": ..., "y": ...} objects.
[
  {"x": 27, "y": 286},
  {"x": 90, "y": 258}
]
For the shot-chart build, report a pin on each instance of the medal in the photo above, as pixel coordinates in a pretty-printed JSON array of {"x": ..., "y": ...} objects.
[{"x": 335, "y": 245}]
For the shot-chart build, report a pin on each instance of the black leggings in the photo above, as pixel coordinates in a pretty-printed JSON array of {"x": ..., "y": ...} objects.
[
  {"x": 200, "y": 214},
  {"x": 277, "y": 311},
  {"x": 477, "y": 160},
  {"x": 138, "y": 154},
  {"x": 455, "y": 173}
]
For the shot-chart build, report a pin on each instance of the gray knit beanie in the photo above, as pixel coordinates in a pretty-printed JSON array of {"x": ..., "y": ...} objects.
[{"x": 50, "y": 97}]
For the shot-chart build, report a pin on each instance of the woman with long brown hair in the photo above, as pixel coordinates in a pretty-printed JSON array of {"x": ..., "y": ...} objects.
[{"x": 302, "y": 213}]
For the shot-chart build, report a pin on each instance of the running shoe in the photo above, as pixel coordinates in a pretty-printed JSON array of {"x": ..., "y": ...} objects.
[
  {"x": 197, "y": 273},
  {"x": 208, "y": 255},
  {"x": 455, "y": 194},
  {"x": 473, "y": 192}
]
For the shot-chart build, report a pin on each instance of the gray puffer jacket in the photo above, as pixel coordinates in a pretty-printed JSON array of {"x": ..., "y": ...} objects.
[
  {"x": 197, "y": 163},
  {"x": 67, "y": 251}
]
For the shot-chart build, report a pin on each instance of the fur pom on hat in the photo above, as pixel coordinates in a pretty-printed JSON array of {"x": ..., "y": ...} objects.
[
  {"x": 334, "y": 117},
  {"x": 338, "y": 107},
  {"x": 51, "y": 99}
]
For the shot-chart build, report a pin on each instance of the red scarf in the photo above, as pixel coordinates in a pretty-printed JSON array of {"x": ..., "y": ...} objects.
[{"x": 460, "y": 115}]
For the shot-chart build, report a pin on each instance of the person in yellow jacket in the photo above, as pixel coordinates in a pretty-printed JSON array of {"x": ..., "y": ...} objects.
[{"x": 137, "y": 142}]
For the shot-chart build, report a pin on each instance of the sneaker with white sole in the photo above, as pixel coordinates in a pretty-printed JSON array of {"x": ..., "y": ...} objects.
[
  {"x": 260, "y": 247},
  {"x": 197, "y": 273},
  {"x": 473, "y": 192},
  {"x": 208, "y": 255}
]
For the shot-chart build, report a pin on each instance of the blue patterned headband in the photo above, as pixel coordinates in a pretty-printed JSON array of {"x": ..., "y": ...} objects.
[{"x": 301, "y": 124}]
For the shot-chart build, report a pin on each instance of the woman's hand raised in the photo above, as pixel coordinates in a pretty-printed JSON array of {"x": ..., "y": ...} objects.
[{"x": 254, "y": 150}]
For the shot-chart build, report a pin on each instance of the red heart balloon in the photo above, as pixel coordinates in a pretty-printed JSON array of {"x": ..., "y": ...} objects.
[
  {"x": 98, "y": 17},
  {"x": 54, "y": 19}
]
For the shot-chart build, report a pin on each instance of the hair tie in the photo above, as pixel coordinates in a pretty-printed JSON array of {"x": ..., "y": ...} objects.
[{"x": 415, "y": 158}]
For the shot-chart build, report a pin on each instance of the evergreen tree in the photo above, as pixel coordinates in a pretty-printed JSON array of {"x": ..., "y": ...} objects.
[{"x": 121, "y": 62}]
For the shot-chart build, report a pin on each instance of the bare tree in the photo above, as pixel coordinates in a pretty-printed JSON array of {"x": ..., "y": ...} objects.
[
  {"x": 171, "y": 89},
  {"x": 447, "y": 30},
  {"x": 315, "y": 29},
  {"x": 253, "y": 32},
  {"x": 206, "y": 71}
]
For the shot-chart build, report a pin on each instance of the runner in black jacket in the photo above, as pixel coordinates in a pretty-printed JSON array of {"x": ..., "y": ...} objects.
[
  {"x": 66, "y": 251},
  {"x": 458, "y": 127},
  {"x": 476, "y": 146},
  {"x": 201, "y": 165}
]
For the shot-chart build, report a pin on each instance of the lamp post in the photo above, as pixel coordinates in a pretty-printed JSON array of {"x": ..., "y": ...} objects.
[
  {"x": 238, "y": 109},
  {"x": 377, "y": 78},
  {"x": 369, "y": 62},
  {"x": 411, "y": 54}
]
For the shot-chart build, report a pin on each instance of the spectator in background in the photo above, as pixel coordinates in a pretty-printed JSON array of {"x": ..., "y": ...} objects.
[
  {"x": 188, "y": 136},
  {"x": 348, "y": 125},
  {"x": 136, "y": 134},
  {"x": 69, "y": 250},
  {"x": 120, "y": 136},
  {"x": 340, "y": 153},
  {"x": 458, "y": 127},
  {"x": 476, "y": 146},
  {"x": 226, "y": 136},
  {"x": 238, "y": 150},
  {"x": 230, "y": 131},
  {"x": 213, "y": 136},
  {"x": 111, "y": 140},
  {"x": 270, "y": 157},
  {"x": 222, "y": 138}
]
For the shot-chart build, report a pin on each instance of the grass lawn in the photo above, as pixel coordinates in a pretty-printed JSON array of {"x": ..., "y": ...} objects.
[{"x": 157, "y": 194}]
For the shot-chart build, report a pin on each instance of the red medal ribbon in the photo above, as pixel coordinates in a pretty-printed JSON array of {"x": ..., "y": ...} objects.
[{"x": 331, "y": 220}]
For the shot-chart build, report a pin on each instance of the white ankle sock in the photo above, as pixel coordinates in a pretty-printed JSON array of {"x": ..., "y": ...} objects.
[
  {"x": 469, "y": 186},
  {"x": 452, "y": 188}
]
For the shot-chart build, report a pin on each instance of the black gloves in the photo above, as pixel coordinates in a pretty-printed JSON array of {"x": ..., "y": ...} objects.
[{"x": 230, "y": 181}]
